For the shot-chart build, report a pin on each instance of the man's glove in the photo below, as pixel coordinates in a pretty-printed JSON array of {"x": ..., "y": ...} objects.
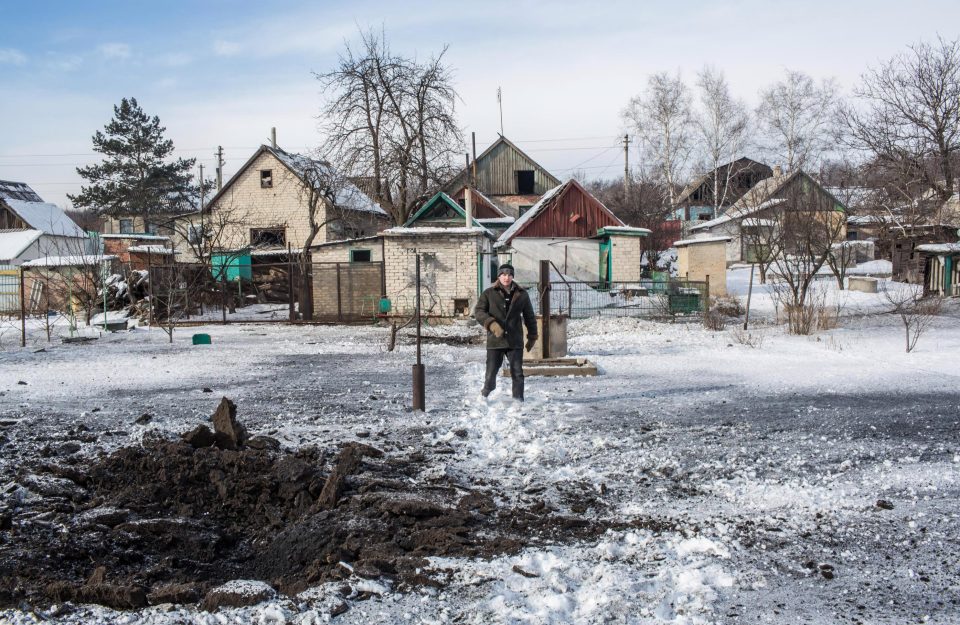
[
  {"x": 497, "y": 329},
  {"x": 530, "y": 341}
]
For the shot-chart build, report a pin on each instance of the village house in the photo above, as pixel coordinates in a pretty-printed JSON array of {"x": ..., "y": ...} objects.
[
  {"x": 755, "y": 217},
  {"x": 264, "y": 205},
  {"x": 506, "y": 177},
  {"x": 31, "y": 228},
  {"x": 581, "y": 237},
  {"x": 721, "y": 188}
]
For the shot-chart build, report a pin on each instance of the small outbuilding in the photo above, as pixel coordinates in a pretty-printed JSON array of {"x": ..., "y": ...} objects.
[
  {"x": 704, "y": 260},
  {"x": 941, "y": 268}
]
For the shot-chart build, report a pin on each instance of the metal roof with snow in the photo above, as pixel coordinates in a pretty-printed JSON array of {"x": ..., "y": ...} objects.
[
  {"x": 15, "y": 242},
  {"x": 45, "y": 216},
  {"x": 10, "y": 190}
]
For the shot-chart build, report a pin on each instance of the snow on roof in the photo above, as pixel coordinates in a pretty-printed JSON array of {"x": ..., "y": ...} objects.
[
  {"x": 44, "y": 216},
  {"x": 701, "y": 240},
  {"x": 150, "y": 249},
  {"x": 625, "y": 230},
  {"x": 939, "y": 248},
  {"x": 496, "y": 220},
  {"x": 529, "y": 215},
  {"x": 436, "y": 230},
  {"x": 14, "y": 242},
  {"x": 10, "y": 190},
  {"x": 373, "y": 237},
  {"x": 68, "y": 261},
  {"x": 756, "y": 221},
  {"x": 145, "y": 237},
  {"x": 349, "y": 196},
  {"x": 733, "y": 215}
]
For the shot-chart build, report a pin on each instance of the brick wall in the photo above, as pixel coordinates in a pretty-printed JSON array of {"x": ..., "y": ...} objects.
[
  {"x": 625, "y": 255},
  {"x": 700, "y": 260},
  {"x": 283, "y": 205},
  {"x": 448, "y": 271}
]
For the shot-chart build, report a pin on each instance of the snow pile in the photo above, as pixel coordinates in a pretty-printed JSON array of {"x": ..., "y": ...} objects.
[{"x": 636, "y": 575}]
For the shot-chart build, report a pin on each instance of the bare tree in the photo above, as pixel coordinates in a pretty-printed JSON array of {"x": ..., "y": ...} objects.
[
  {"x": 916, "y": 312},
  {"x": 662, "y": 117},
  {"x": 722, "y": 122},
  {"x": 908, "y": 119},
  {"x": 391, "y": 120},
  {"x": 796, "y": 118}
]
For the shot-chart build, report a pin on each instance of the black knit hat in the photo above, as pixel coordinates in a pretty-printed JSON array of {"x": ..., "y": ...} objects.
[{"x": 505, "y": 268}]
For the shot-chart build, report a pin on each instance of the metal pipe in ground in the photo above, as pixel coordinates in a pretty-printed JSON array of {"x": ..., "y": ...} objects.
[
  {"x": 419, "y": 374},
  {"x": 545, "y": 308}
]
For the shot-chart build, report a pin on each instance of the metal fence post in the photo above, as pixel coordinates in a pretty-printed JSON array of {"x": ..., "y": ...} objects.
[
  {"x": 419, "y": 374},
  {"x": 23, "y": 313},
  {"x": 340, "y": 292},
  {"x": 545, "y": 308}
]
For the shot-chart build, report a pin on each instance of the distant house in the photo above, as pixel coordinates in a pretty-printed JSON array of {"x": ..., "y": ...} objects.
[
  {"x": 507, "y": 177},
  {"x": 31, "y": 228},
  {"x": 941, "y": 268},
  {"x": 264, "y": 206},
  {"x": 578, "y": 234},
  {"x": 752, "y": 217},
  {"x": 721, "y": 187}
]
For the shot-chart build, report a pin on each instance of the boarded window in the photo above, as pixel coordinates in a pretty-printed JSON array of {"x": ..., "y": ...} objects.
[
  {"x": 126, "y": 226},
  {"x": 268, "y": 237},
  {"x": 525, "y": 183},
  {"x": 360, "y": 256},
  {"x": 266, "y": 178}
]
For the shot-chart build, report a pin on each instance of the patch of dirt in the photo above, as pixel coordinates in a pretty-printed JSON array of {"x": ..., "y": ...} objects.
[{"x": 170, "y": 520}]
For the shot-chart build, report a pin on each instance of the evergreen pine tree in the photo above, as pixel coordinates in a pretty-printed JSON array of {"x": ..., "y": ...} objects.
[{"x": 135, "y": 176}]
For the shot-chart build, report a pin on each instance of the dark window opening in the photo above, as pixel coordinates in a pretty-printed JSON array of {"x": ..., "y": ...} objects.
[
  {"x": 150, "y": 228},
  {"x": 525, "y": 182},
  {"x": 360, "y": 256},
  {"x": 126, "y": 226},
  {"x": 524, "y": 208},
  {"x": 461, "y": 307},
  {"x": 268, "y": 237},
  {"x": 266, "y": 178}
]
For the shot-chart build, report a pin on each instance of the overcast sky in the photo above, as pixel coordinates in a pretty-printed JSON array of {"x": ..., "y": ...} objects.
[{"x": 223, "y": 72}]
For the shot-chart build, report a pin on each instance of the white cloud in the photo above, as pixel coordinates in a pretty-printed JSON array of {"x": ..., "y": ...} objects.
[
  {"x": 175, "y": 59},
  {"x": 114, "y": 50},
  {"x": 225, "y": 48},
  {"x": 66, "y": 63},
  {"x": 11, "y": 56}
]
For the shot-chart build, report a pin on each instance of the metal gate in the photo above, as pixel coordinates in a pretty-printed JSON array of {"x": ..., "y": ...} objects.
[{"x": 347, "y": 291}]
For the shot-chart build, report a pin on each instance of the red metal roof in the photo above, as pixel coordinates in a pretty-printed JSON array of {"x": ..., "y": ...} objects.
[{"x": 570, "y": 213}]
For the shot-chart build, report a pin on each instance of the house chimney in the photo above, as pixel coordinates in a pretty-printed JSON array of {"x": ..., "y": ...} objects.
[
  {"x": 777, "y": 171},
  {"x": 273, "y": 137}
]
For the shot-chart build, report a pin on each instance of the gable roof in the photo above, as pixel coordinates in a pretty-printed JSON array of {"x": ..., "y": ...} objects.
[
  {"x": 10, "y": 190},
  {"x": 349, "y": 196},
  {"x": 15, "y": 242},
  {"x": 460, "y": 178},
  {"x": 552, "y": 198},
  {"x": 44, "y": 216},
  {"x": 760, "y": 197},
  {"x": 441, "y": 198},
  {"x": 480, "y": 201},
  {"x": 705, "y": 177}
]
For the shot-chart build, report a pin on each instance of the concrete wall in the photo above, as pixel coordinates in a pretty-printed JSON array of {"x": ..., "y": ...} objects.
[
  {"x": 576, "y": 258},
  {"x": 448, "y": 271},
  {"x": 697, "y": 261}
]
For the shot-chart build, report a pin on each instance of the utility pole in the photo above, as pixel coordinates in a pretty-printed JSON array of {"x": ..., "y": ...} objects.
[
  {"x": 626, "y": 166},
  {"x": 219, "y": 167},
  {"x": 500, "y": 104}
]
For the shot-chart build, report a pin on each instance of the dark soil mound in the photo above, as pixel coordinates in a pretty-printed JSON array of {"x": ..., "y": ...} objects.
[{"x": 168, "y": 520}]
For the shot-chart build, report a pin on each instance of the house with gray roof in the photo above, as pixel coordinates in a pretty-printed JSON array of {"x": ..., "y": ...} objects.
[{"x": 31, "y": 228}]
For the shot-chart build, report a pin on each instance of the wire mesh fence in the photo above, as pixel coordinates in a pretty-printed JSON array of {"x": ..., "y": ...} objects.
[{"x": 647, "y": 298}]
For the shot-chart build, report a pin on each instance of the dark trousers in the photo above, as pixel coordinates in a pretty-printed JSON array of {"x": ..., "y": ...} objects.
[{"x": 495, "y": 361}]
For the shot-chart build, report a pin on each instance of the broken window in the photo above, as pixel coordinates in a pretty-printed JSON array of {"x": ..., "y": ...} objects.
[
  {"x": 193, "y": 234},
  {"x": 461, "y": 307},
  {"x": 268, "y": 237},
  {"x": 360, "y": 256},
  {"x": 266, "y": 178},
  {"x": 525, "y": 182},
  {"x": 524, "y": 208},
  {"x": 126, "y": 226}
]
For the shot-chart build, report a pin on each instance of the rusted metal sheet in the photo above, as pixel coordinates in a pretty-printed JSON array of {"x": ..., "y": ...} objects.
[{"x": 574, "y": 213}]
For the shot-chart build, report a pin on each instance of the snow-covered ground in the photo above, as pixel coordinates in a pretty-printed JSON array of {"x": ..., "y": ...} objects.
[{"x": 740, "y": 475}]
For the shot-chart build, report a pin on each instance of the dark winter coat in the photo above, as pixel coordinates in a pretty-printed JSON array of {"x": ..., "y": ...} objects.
[{"x": 491, "y": 306}]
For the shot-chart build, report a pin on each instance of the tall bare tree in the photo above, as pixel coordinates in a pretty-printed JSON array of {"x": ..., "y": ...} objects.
[
  {"x": 662, "y": 118},
  {"x": 907, "y": 119},
  {"x": 722, "y": 123},
  {"x": 796, "y": 118},
  {"x": 391, "y": 120}
]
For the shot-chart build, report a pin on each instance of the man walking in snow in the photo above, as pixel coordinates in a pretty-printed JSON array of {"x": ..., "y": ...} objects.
[{"x": 504, "y": 309}]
